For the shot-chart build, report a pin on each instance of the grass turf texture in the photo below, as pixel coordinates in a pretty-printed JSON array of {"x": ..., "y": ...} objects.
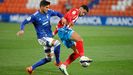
[{"x": 111, "y": 48}]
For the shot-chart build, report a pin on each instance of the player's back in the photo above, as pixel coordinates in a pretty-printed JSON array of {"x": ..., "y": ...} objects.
[{"x": 71, "y": 16}]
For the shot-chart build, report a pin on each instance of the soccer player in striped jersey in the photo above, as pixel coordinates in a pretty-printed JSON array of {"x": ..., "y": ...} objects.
[
  {"x": 69, "y": 37},
  {"x": 41, "y": 22}
]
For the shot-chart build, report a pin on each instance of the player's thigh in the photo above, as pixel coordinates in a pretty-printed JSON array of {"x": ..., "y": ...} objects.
[
  {"x": 74, "y": 49},
  {"x": 46, "y": 41},
  {"x": 49, "y": 55},
  {"x": 76, "y": 37},
  {"x": 65, "y": 33},
  {"x": 68, "y": 43}
]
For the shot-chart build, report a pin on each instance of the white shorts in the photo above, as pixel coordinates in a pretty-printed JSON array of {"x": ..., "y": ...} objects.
[{"x": 43, "y": 41}]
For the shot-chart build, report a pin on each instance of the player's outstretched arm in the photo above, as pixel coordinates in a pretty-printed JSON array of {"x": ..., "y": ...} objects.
[
  {"x": 63, "y": 21},
  {"x": 26, "y": 21},
  {"x": 55, "y": 31}
]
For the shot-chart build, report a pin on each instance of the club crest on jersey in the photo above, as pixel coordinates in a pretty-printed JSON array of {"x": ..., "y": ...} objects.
[{"x": 29, "y": 18}]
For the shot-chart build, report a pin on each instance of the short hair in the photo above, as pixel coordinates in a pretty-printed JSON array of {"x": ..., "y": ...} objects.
[
  {"x": 44, "y": 3},
  {"x": 85, "y": 7}
]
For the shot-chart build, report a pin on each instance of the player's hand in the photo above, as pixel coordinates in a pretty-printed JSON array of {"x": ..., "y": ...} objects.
[
  {"x": 64, "y": 21},
  {"x": 20, "y": 33},
  {"x": 53, "y": 34}
]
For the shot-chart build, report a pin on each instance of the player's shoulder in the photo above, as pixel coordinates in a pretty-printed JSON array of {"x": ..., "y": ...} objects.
[
  {"x": 74, "y": 9},
  {"x": 36, "y": 13},
  {"x": 50, "y": 10},
  {"x": 33, "y": 16}
]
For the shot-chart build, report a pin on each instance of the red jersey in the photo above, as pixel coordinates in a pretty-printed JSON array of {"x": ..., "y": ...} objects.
[{"x": 71, "y": 16}]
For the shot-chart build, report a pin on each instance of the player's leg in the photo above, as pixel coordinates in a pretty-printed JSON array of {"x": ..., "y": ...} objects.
[
  {"x": 79, "y": 43},
  {"x": 49, "y": 55},
  {"x": 69, "y": 34},
  {"x": 64, "y": 34},
  {"x": 63, "y": 69},
  {"x": 69, "y": 60},
  {"x": 72, "y": 57},
  {"x": 57, "y": 55},
  {"x": 48, "y": 58},
  {"x": 55, "y": 44}
]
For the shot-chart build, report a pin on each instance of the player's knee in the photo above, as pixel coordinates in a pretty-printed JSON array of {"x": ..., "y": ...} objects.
[
  {"x": 48, "y": 44},
  {"x": 56, "y": 43},
  {"x": 47, "y": 50},
  {"x": 49, "y": 56},
  {"x": 49, "y": 59},
  {"x": 80, "y": 39}
]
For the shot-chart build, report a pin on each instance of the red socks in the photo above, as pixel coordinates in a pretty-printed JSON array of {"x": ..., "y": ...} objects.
[
  {"x": 73, "y": 56},
  {"x": 80, "y": 48}
]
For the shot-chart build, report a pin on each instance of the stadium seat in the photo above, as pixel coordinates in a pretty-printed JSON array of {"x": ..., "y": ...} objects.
[
  {"x": 104, "y": 7},
  {"x": 113, "y": 8}
]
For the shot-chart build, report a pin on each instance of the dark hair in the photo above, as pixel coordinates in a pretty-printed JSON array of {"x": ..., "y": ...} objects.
[
  {"x": 85, "y": 7},
  {"x": 44, "y": 3}
]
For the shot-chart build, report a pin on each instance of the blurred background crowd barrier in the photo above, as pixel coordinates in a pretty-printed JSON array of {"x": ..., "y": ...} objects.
[{"x": 102, "y": 12}]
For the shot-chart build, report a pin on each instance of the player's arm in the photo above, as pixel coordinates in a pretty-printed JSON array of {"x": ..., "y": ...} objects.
[
  {"x": 63, "y": 20},
  {"x": 55, "y": 13},
  {"x": 55, "y": 31},
  {"x": 22, "y": 26}
]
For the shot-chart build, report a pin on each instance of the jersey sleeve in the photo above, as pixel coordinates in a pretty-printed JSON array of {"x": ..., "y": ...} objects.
[
  {"x": 55, "y": 13},
  {"x": 26, "y": 21}
]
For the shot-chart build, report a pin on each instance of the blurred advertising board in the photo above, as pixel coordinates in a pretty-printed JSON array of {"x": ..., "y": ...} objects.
[
  {"x": 86, "y": 20},
  {"x": 106, "y": 20}
]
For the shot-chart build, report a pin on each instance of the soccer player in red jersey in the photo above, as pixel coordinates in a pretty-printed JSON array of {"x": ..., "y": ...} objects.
[{"x": 69, "y": 37}]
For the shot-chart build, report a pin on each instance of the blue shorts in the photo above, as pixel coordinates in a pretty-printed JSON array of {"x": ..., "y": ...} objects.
[{"x": 65, "y": 36}]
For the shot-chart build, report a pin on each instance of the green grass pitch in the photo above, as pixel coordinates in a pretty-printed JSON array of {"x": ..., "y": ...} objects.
[{"x": 111, "y": 49}]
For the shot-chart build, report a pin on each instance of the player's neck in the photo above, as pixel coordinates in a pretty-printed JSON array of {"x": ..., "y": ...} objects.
[{"x": 41, "y": 11}]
